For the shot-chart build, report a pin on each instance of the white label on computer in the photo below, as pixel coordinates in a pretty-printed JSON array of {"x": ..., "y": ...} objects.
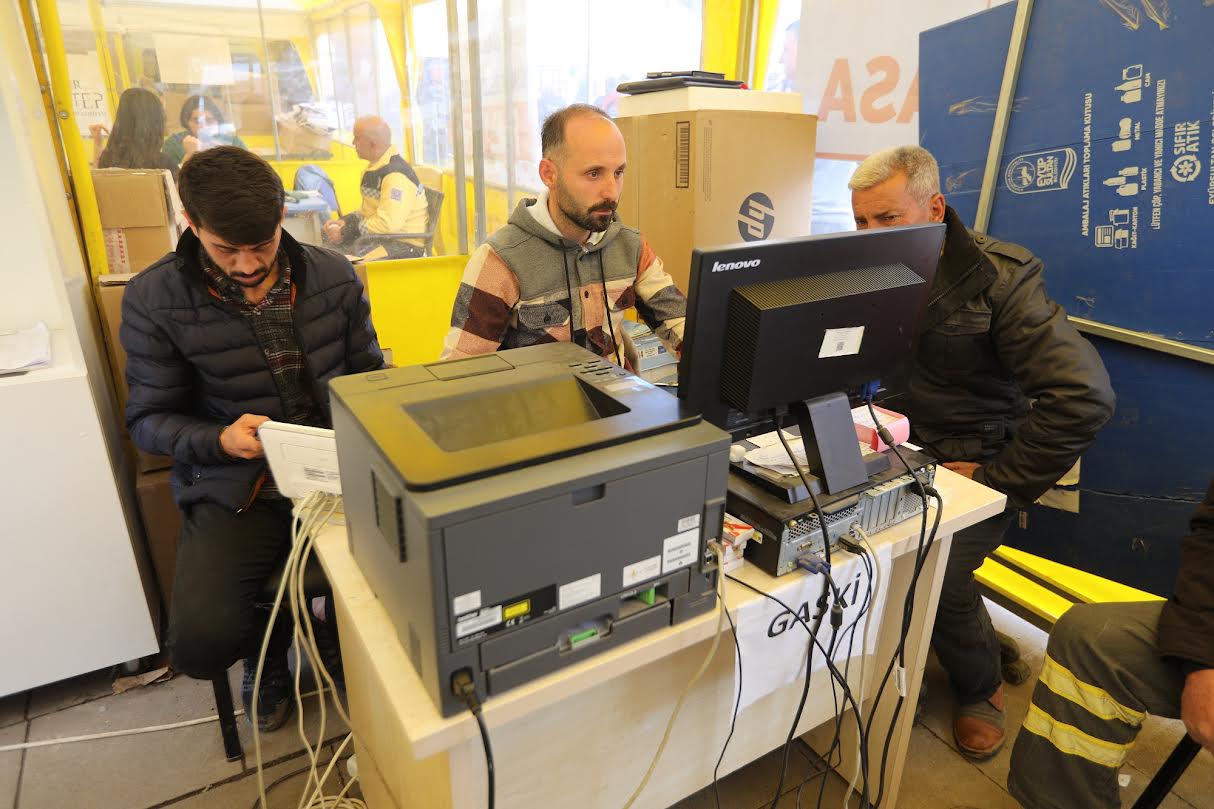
[
  {"x": 579, "y": 592},
  {"x": 643, "y": 570},
  {"x": 687, "y": 523},
  {"x": 491, "y": 616},
  {"x": 466, "y": 603},
  {"x": 680, "y": 550},
  {"x": 841, "y": 342}
]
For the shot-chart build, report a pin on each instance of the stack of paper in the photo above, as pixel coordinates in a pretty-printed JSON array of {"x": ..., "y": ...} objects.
[{"x": 25, "y": 350}]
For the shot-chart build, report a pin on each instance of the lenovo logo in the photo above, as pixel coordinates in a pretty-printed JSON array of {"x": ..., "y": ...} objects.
[{"x": 722, "y": 266}]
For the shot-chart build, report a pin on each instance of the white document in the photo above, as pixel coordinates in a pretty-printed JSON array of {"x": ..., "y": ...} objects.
[
  {"x": 775, "y": 457},
  {"x": 769, "y": 439},
  {"x": 773, "y": 643},
  {"x": 25, "y": 350}
]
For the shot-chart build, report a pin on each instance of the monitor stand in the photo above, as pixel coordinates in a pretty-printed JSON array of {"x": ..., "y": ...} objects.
[{"x": 832, "y": 451}]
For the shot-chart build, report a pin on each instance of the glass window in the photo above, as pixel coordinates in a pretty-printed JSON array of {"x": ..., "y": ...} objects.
[
  {"x": 831, "y": 204},
  {"x": 555, "y": 53}
]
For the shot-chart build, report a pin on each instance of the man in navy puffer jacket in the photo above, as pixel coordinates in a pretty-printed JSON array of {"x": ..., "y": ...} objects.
[{"x": 239, "y": 325}]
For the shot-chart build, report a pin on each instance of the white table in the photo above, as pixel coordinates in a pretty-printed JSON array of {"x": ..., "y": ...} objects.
[{"x": 584, "y": 736}]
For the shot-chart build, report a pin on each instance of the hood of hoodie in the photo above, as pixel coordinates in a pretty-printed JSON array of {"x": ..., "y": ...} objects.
[{"x": 538, "y": 223}]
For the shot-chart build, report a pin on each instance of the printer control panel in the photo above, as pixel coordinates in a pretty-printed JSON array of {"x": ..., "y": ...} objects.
[{"x": 600, "y": 372}]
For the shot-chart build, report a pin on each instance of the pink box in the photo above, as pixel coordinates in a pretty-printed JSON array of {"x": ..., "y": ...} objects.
[{"x": 897, "y": 424}]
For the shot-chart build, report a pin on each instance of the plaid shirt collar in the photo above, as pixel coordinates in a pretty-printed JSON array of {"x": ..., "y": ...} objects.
[{"x": 231, "y": 292}]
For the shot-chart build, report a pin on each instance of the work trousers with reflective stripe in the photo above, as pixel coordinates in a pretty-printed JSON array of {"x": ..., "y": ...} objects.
[{"x": 1102, "y": 676}]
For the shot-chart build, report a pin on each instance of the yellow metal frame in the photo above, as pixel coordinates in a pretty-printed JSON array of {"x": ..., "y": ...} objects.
[
  {"x": 124, "y": 72},
  {"x": 82, "y": 193},
  {"x": 103, "y": 56},
  {"x": 44, "y": 86}
]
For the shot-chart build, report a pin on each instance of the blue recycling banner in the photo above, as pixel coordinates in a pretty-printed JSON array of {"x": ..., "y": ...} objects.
[{"x": 1108, "y": 167}]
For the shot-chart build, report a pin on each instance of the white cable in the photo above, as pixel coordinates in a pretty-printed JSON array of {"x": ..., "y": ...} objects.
[
  {"x": 11, "y": 748},
  {"x": 112, "y": 734},
  {"x": 876, "y": 590},
  {"x": 712, "y": 650},
  {"x": 308, "y": 518}
]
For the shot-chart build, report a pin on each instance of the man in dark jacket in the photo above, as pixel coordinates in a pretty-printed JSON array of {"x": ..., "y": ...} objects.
[
  {"x": 1004, "y": 391},
  {"x": 1106, "y": 667},
  {"x": 239, "y": 325}
]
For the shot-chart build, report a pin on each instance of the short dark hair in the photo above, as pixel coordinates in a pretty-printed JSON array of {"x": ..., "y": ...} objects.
[
  {"x": 232, "y": 193},
  {"x": 552, "y": 135},
  {"x": 192, "y": 103}
]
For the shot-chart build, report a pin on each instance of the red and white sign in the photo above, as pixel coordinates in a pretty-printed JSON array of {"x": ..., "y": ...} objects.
[{"x": 858, "y": 69}]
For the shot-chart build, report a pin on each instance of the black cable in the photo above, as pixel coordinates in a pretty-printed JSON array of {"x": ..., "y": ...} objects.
[
  {"x": 733, "y": 722},
  {"x": 464, "y": 687},
  {"x": 480, "y": 721},
  {"x": 569, "y": 292},
  {"x": 905, "y": 629},
  {"x": 835, "y": 743},
  {"x": 804, "y": 474},
  {"x": 827, "y": 583},
  {"x": 607, "y": 311},
  {"x": 921, "y": 557},
  {"x": 921, "y": 552},
  {"x": 847, "y": 692}
]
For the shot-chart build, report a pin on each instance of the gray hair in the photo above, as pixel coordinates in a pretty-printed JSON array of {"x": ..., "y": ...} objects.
[{"x": 922, "y": 172}]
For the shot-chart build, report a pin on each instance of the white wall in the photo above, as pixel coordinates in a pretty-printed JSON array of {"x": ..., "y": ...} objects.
[{"x": 70, "y": 588}]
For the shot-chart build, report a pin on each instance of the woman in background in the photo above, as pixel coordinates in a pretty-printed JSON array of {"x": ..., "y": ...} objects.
[
  {"x": 202, "y": 127},
  {"x": 135, "y": 142}
]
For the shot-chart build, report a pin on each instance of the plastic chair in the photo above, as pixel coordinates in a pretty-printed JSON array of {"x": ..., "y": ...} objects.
[{"x": 434, "y": 208}]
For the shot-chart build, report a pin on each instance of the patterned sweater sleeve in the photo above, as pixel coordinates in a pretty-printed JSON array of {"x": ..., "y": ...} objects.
[
  {"x": 487, "y": 294},
  {"x": 659, "y": 302}
]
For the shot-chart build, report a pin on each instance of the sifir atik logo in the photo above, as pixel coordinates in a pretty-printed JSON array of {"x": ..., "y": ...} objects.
[
  {"x": 785, "y": 620},
  {"x": 724, "y": 266}
]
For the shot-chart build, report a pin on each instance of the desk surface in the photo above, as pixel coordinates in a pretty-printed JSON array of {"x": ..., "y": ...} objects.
[{"x": 428, "y": 733}]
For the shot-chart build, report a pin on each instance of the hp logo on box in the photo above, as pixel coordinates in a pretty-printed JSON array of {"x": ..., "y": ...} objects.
[{"x": 756, "y": 217}]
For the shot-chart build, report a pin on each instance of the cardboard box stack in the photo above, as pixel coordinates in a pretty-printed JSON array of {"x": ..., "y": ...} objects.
[
  {"x": 138, "y": 216},
  {"x": 715, "y": 166}
]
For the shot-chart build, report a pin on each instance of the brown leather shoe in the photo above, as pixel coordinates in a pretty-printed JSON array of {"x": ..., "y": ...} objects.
[{"x": 978, "y": 728}]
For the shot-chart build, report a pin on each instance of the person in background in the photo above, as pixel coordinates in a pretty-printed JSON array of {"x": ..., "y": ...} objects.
[
  {"x": 202, "y": 126},
  {"x": 788, "y": 59},
  {"x": 394, "y": 200},
  {"x": 1109, "y": 665},
  {"x": 138, "y": 134},
  {"x": 239, "y": 325},
  {"x": 1004, "y": 391},
  {"x": 564, "y": 269}
]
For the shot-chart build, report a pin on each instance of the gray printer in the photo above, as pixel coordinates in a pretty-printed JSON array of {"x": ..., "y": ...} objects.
[{"x": 524, "y": 510}]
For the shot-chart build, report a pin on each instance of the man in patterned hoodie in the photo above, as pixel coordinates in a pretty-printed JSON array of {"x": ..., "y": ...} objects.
[{"x": 564, "y": 269}]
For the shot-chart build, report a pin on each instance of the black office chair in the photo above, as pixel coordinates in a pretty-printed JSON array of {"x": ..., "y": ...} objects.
[
  {"x": 389, "y": 241},
  {"x": 1180, "y": 759},
  {"x": 315, "y": 585}
]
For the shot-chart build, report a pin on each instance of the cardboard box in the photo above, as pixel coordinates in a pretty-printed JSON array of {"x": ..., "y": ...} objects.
[
  {"x": 252, "y": 118},
  {"x": 137, "y": 216},
  {"x": 173, "y": 102},
  {"x": 109, "y": 294},
  {"x": 708, "y": 98},
  {"x": 161, "y": 526},
  {"x": 704, "y": 178},
  {"x": 296, "y": 139}
]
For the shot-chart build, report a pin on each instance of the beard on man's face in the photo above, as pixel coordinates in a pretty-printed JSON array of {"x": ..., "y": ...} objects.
[
  {"x": 595, "y": 219},
  {"x": 244, "y": 279}
]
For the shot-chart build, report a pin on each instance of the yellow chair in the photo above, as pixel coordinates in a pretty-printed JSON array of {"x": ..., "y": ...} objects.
[{"x": 411, "y": 302}]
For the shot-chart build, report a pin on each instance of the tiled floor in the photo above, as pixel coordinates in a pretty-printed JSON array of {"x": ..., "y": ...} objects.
[{"x": 184, "y": 768}]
